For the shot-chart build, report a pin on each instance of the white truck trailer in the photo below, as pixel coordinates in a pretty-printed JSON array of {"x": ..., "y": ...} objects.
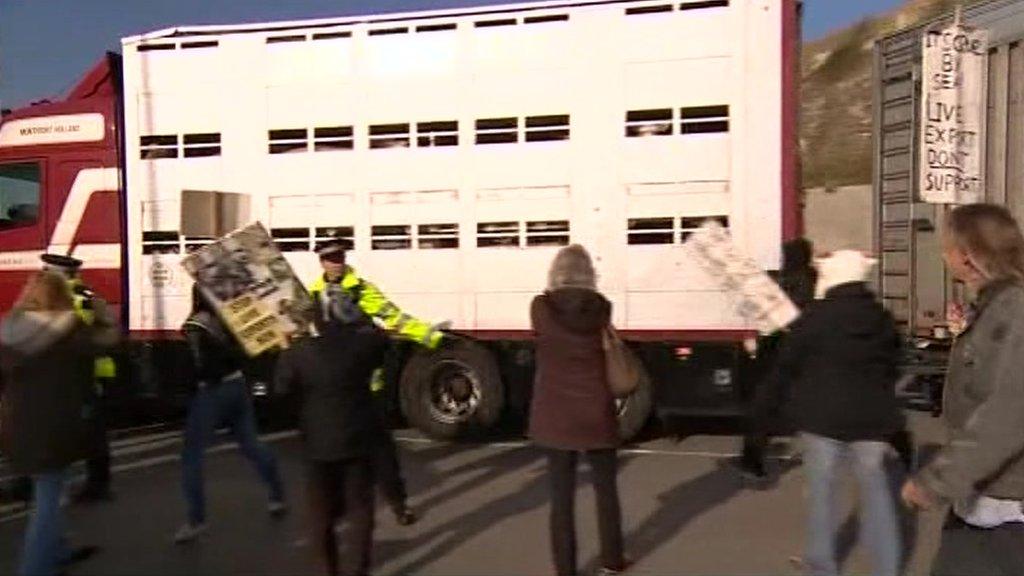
[{"x": 457, "y": 150}]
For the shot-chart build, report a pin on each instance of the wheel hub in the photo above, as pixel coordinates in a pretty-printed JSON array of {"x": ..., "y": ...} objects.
[{"x": 454, "y": 392}]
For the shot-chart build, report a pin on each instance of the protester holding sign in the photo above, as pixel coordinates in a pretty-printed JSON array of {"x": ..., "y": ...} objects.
[
  {"x": 797, "y": 279},
  {"x": 221, "y": 398}
]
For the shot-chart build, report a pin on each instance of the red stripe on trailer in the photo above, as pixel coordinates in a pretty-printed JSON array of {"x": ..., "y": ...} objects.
[
  {"x": 154, "y": 335},
  {"x": 104, "y": 281},
  {"x": 792, "y": 219}
]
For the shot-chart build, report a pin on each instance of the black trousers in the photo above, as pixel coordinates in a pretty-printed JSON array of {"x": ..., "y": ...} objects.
[
  {"x": 763, "y": 402},
  {"x": 97, "y": 465},
  {"x": 387, "y": 469},
  {"x": 562, "y": 465},
  {"x": 342, "y": 490},
  {"x": 388, "y": 472}
]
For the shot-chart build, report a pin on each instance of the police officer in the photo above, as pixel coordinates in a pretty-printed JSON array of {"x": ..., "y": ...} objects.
[
  {"x": 93, "y": 311},
  {"x": 339, "y": 294}
]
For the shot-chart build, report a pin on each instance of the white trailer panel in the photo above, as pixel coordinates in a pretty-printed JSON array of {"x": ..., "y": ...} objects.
[{"x": 461, "y": 149}]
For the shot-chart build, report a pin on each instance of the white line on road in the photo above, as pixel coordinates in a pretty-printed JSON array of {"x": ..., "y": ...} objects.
[
  {"x": 285, "y": 435},
  {"x": 640, "y": 451}
]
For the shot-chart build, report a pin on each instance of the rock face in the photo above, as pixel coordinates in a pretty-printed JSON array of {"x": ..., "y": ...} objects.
[{"x": 835, "y": 130}]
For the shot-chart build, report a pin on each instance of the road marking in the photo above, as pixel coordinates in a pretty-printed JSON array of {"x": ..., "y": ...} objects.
[
  {"x": 288, "y": 434},
  {"x": 147, "y": 463},
  {"x": 640, "y": 451}
]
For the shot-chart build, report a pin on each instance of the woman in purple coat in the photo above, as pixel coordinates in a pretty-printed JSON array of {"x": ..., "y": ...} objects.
[{"x": 573, "y": 411}]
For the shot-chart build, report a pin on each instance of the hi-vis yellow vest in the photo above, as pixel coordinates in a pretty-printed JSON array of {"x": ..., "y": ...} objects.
[
  {"x": 104, "y": 366},
  {"x": 376, "y": 305}
]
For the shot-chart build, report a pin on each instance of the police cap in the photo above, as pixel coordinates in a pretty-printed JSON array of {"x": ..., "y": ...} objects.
[
  {"x": 332, "y": 248},
  {"x": 61, "y": 263}
]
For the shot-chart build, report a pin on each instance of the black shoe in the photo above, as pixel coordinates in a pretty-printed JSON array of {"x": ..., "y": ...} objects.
[
  {"x": 277, "y": 508},
  {"x": 751, "y": 471},
  {"x": 622, "y": 568},
  {"x": 93, "y": 494},
  {"x": 405, "y": 516},
  {"x": 79, "y": 555}
]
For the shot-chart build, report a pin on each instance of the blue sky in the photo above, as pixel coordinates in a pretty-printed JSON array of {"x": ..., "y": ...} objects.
[{"x": 46, "y": 44}]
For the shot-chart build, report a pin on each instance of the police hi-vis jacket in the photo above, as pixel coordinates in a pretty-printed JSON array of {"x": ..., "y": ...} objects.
[
  {"x": 376, "y": 305},
  {"x": 85, "y": 302}
]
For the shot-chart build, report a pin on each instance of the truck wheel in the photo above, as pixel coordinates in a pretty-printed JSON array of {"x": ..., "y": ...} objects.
[
  {"x": 452, "y": 391},
  {"x": 635, "y": 409}
]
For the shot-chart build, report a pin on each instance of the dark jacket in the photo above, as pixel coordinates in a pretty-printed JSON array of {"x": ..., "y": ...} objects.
[
  {"x": 47, "y": 363},
  {"x": 214, "y": 350},
  {"x": 797, "y": 279},
  {"x": 798, "y": 276},
  {"x": 840, "y": 361},
  {"x": 572, "y": 408},
  {"x": 984, "y": 403},
  {"x": 330, "y": 377}
]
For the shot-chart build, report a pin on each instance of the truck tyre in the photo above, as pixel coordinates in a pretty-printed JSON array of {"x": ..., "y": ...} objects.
[
  {"x": 635, "y": 409},
  {"x": 453, "y": 391}
]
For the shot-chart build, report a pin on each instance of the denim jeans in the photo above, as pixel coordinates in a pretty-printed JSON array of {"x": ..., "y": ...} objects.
[
  {"x": 226, "y": 404},
  {"x": 879, "y": 528},
  {"x": 44, "y": 540}
]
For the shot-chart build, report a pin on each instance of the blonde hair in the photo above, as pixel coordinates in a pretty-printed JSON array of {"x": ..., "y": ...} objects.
[
  {"x": 991, "y": 238},
  {"x": 45, "y": 292},
  {"x": 572, "y": 268}
]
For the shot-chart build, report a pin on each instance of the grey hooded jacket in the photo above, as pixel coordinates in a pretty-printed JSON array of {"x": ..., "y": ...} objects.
[
  {"x": 984, "y": 403},
  {"x": 47, "y": 367}
]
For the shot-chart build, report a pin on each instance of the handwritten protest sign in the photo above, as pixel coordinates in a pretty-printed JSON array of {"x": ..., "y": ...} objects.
[
  {"x": 252, "y": 286},
  {"x": 954, "y": 77},
  {"x": 758, "y": 298}
]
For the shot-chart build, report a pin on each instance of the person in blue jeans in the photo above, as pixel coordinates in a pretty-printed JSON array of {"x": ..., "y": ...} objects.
[
  {"x": 839, "y": 362},
  {"x": 46, "y": 357},
  {"x": 221, "y": 399}
]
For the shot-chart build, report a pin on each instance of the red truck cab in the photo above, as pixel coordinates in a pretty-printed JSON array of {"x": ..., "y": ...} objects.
[{"x": 61, "y": 185}]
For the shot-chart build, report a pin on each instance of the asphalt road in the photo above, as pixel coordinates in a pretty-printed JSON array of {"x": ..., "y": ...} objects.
[{"x": 484, "y": 507}]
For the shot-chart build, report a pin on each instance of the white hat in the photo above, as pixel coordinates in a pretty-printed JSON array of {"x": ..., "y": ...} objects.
[{"x": 841, "y": 267}]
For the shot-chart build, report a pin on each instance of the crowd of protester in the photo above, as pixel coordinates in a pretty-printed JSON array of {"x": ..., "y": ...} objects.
[{"x": 831, "y": 375}]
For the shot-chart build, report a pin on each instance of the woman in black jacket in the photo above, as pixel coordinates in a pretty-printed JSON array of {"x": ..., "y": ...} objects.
[
  {"x": 221, "y": 398},
  {"x": 839, "y": 360},
  {"x": 330, "y": 377}
]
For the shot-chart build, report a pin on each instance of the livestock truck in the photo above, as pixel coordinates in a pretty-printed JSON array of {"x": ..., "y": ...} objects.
[
  {"x": 457, "y": 151},
  {"x": 912, "y": 279}
]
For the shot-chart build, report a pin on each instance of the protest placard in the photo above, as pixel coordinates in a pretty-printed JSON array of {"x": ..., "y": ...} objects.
[
  {"x": 252, "y": 287},
  {"x": 954, "y": 73},
  {"x": 758, "y": 298}
]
